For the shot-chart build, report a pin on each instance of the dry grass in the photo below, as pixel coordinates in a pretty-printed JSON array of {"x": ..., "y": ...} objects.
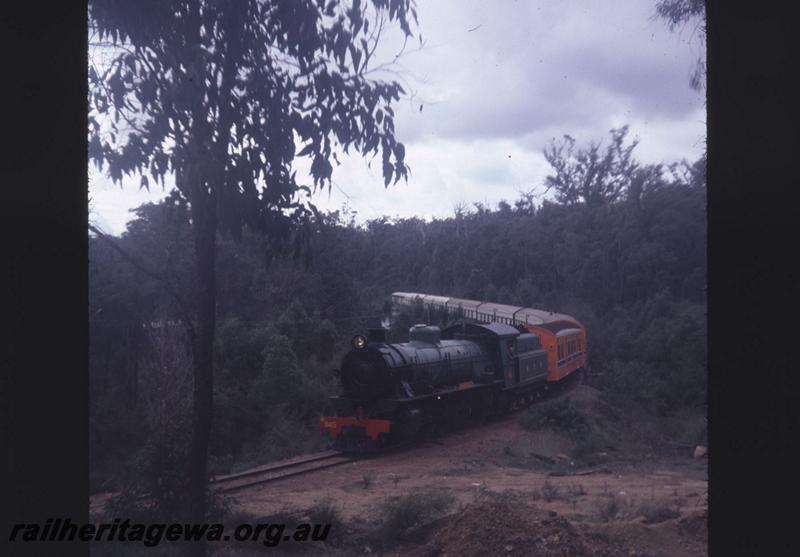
[
  {"x": 615, "y": 507},
  {"x": 550, "y": 491},
  {"x": 658, "y": 510},
  {"x": 399, "y": 515},
  {"x": 367, "y": 480}
]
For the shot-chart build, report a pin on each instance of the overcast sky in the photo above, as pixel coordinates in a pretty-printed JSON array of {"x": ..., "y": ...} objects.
[{"x": 497, "y": 80}]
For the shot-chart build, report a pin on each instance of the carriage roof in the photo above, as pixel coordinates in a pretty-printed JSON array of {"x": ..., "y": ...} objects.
[{"x": 516, "y": 314}]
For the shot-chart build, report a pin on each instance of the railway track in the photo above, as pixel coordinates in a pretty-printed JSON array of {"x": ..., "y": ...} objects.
[
  {"x": 259, "y": 475},
  {"x": 276, "y": 471},
  {"x": 280, "y": 470}
]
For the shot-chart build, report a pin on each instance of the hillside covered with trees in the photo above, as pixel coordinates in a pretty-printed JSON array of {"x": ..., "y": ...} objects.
[{"x": 619, "y": 245}]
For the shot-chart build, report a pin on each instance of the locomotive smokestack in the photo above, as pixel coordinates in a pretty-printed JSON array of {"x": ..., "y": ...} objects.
[{"x": 377, "y": 335}]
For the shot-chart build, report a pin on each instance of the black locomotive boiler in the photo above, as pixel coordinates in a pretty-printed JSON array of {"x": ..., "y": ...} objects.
[{"x": 438, "y": 380}]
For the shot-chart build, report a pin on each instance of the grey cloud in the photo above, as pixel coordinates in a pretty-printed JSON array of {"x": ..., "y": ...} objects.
[
  {"x": 532, "y": 70},
  {"x": 536, "y": 65}
]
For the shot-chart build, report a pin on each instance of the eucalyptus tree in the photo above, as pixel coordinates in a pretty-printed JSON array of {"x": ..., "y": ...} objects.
[
  {"x": 224, "y": 95},
  {"x": 678, "y": 13},
  {"x": 597, "y": 176}
]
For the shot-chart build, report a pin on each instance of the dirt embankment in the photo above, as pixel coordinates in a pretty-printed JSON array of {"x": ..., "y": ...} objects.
[
  {"x": 514, "y": 528},
  {"x": 517, "y": 491},
  {"x": 567, "y": 478}
]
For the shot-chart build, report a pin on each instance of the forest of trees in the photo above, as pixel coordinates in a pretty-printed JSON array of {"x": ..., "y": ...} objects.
[
  {"x": 211, "y": 348},
  {"x": 621, "y": 246},
  {"x": 223, "y": 97}
]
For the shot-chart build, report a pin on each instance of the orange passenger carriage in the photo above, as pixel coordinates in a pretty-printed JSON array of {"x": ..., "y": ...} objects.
[{"x": 565, "y": 342}]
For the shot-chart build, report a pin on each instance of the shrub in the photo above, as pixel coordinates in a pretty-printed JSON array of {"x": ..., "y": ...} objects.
[
  {"x": 401, "y": 514},
  {"x": 556, "y": 414},
  {"x": 576, "y": 489},
  {"x": 367, "y": 480},
  {"x": 616, "y": 507},
  {"x": 659, "y": 510},
  {"x": 550, "y": 491},
  {"x": 326, "y": 512}
]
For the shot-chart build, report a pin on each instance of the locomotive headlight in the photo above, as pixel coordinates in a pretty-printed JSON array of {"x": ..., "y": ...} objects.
[{"x": 359, "y": 342}]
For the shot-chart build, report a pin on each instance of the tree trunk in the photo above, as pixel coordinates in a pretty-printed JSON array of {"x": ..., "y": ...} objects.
[
  {"x": 206, "y": 191},
  {"x": 205, "y": 228}
]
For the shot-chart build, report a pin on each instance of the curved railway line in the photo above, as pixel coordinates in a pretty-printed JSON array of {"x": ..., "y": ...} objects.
[
  {"x": 328, "y": 459},
  {"x": 305, "y": 464},
  {"x": 266, "y": 473},
  {"x": 280, "y": 470}
]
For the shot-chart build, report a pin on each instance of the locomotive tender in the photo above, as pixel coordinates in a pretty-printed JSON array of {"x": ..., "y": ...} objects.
[{"x": 442, "y": 379}]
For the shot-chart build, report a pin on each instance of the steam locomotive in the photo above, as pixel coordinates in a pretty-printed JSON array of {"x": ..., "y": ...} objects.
[{"x": 495, "y": 360}]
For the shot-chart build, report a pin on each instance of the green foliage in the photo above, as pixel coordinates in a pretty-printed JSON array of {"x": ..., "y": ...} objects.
[
  {"x": 593, "y": 177},
  {"x": 399, "y": 515},
  {"x": 216, "y": 92},
  {"x": 633, "y": 271},
  {"x": 310, "y": 334},
  {"x": 270, "y": 413},
  {"x": 678, "y": 13},
  {"x": 658, "y": 510},
  {"x": 327, "y": 512},
  {"x": 550, "y": 491},
  {"x": 615, "y": 507},
  {"x": 592, "y": 432},
  {"x": 665, "y": 344},
  {"x": 156, "y": 466},
  {"x": 557, "y": 414}
]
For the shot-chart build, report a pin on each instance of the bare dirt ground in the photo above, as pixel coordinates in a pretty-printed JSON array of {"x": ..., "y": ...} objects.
[
  {"x": 517, "y": 492},
  {"x": 627, "y": 505}
]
